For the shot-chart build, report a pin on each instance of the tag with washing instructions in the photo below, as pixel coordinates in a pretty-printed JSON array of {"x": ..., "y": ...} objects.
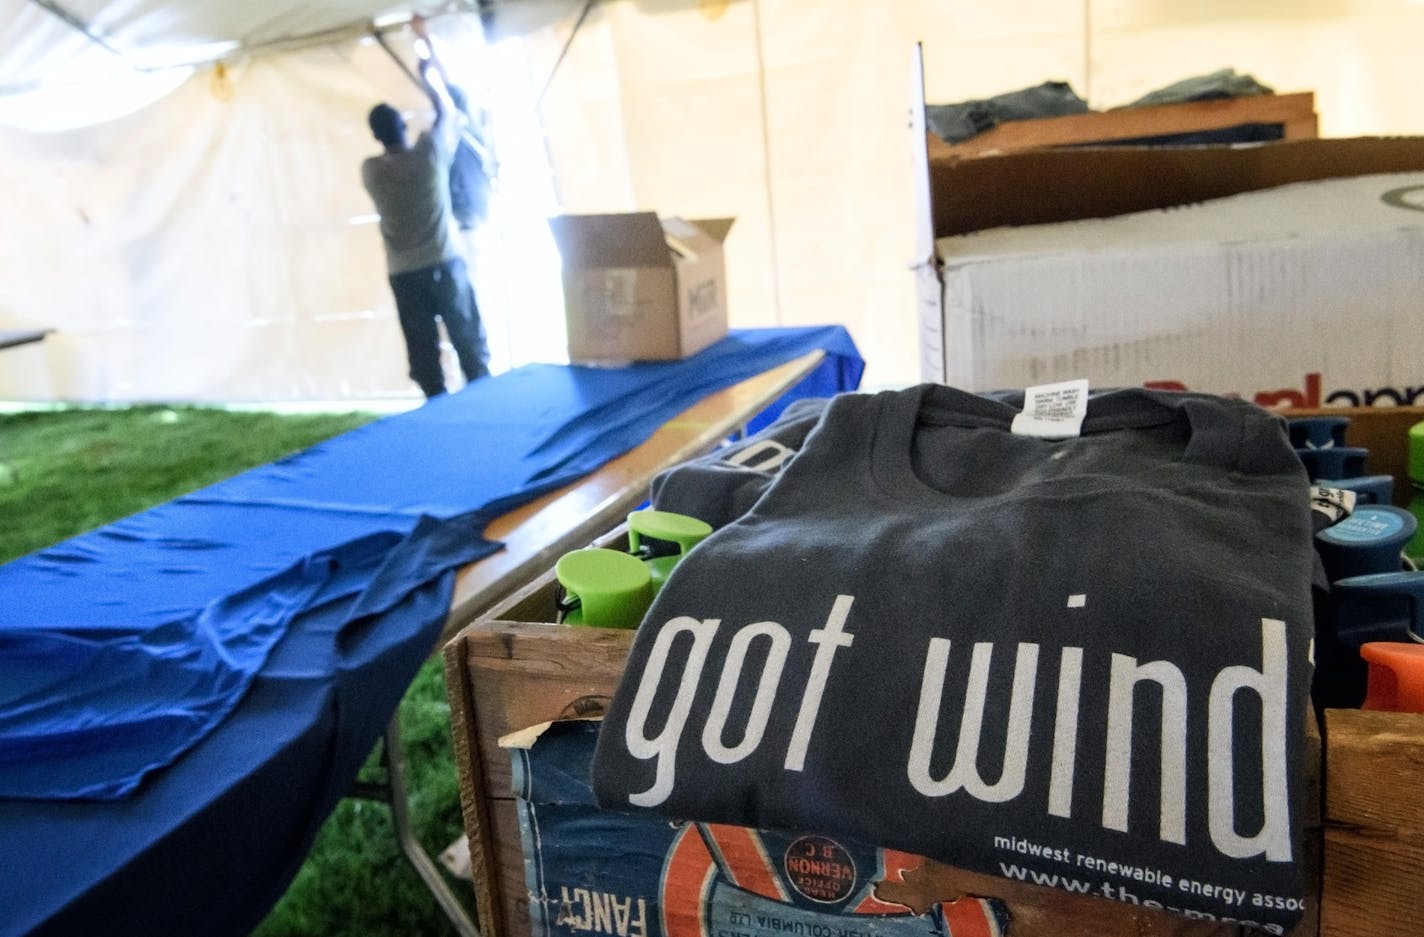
[
  {"x": 1053, "y": 411},
  {"x": 1331, "y": 505}
]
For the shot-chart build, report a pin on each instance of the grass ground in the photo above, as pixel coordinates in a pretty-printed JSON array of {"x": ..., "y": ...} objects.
[{"x": 66, "y": 471}]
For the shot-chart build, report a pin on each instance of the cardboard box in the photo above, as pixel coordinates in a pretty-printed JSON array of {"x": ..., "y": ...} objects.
[
  {"x": 637, "y": 288},
  {"x": 1309, "y": 302},
  {"x": 1302, "y": 295},
  {"x": 514, "y": 670}
]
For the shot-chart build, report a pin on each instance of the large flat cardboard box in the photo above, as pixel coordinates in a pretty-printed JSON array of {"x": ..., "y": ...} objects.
[
  {"x": 1302, "y": 295},
  {"x": 1125, "y": 266},
  {"x": 640, "y": 288}
]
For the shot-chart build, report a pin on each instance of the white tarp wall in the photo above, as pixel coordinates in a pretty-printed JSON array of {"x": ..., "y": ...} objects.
[
  {"x": 209, "y": 246},
  {"x": 212, "y": 246}
]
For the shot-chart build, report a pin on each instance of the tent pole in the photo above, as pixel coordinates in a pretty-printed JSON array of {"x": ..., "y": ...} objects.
[
  {"x": 78, "y": 25},
  {"x": 400, "y": 63},
  {"x": 578, "y": 24}
]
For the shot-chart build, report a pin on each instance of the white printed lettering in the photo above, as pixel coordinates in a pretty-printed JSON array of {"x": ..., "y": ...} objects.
[
  {"x": 828, "y": 640},
  {"x": 727, "y": 689},
  {"x": 964, "y": 772},
  {"x": 1269, "y": 683},
  {"x": 1065, "y": 733},
  {"x": 764, "y": 456},
  {"x": 664, "y": 746},
  {"x": 1126, "y": 674}
]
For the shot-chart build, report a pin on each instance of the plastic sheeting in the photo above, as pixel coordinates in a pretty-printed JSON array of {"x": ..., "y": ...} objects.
[{"x": 216, "y": 245}]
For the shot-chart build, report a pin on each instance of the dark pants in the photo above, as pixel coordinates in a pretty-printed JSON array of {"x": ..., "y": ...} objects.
[{"x": 441, "y": 292}]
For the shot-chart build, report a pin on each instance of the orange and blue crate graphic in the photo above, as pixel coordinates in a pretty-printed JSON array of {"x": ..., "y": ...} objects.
[{"x": 592, "y": 871}]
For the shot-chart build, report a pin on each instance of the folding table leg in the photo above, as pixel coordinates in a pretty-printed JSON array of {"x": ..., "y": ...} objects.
[{"x": 394, "y": 793}]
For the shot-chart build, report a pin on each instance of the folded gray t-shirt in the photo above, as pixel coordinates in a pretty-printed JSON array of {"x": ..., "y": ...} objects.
[
  {"x": 1082, "y": 663},
  {"x": 722, "y": 485}
]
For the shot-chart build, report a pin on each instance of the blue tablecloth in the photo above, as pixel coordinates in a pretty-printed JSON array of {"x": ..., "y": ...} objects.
[{"x": 186, "y": 693}]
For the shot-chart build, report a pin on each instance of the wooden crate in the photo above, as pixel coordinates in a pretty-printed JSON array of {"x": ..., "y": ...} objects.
[
  {"x": 1374, "y": 824},
  {"x": 513, "y": 669}
]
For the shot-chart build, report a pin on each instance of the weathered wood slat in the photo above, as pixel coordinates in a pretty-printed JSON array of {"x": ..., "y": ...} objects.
[
  {"x": 508, "y": 676},
  {"x": 1374, "y": 824}
]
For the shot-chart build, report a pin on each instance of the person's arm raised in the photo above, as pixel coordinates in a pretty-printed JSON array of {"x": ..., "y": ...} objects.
[{"x": 437, "y": 87}]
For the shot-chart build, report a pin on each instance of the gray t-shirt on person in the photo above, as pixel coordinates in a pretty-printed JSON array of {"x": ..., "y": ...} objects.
[
  {"x": 1080, "y": 662},
  {"x": 411, "y": 191}
]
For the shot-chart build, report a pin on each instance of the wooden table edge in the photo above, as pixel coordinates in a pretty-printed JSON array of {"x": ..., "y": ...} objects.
[{"x": 536, "y": 534}]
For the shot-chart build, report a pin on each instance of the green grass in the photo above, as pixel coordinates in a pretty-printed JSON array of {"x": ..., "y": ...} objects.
[{"x": 63, "y": 472}]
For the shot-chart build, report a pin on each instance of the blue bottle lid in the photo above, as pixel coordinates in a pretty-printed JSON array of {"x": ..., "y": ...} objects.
[
  {"x": 1370, "y": 540},
  {"x": 1379, "y": 607},
  {"x": 1371, "y": 525},
  {"x": 1369, "y": 489},
  {"x": 1334, "y": 462},
  {"x": 1317, "y": 432}
]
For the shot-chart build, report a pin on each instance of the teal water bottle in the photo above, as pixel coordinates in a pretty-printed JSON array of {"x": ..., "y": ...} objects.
[{"x": 662, "y": 538}]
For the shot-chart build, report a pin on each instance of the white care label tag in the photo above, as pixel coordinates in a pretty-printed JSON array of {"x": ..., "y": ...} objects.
[
  {"x": 1332, "y": 504},
  {"x": 1053, "y": 411}
]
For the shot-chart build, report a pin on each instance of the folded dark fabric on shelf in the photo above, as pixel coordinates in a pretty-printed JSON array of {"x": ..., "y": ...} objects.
[
  {"x": 1213, "y": 86},
  {"x": 961, "y": 121},
  {"x": 964, "y": 120}
]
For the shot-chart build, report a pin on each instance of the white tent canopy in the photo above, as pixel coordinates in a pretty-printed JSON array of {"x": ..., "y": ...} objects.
[{"x": 183, "y": 203}]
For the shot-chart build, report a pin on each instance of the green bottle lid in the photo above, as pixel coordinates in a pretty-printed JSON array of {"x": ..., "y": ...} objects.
[
  {"x": 679, "y": 529},
  {"x": 687, "y": 532},
  {"x": 613, "y": 589},
  {"x": 1416, "y": 453},
  {"x": 1414, "y": 549}
]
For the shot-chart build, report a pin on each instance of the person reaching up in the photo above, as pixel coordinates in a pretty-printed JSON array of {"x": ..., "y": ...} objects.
[{"x": 410, "y": 187}]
